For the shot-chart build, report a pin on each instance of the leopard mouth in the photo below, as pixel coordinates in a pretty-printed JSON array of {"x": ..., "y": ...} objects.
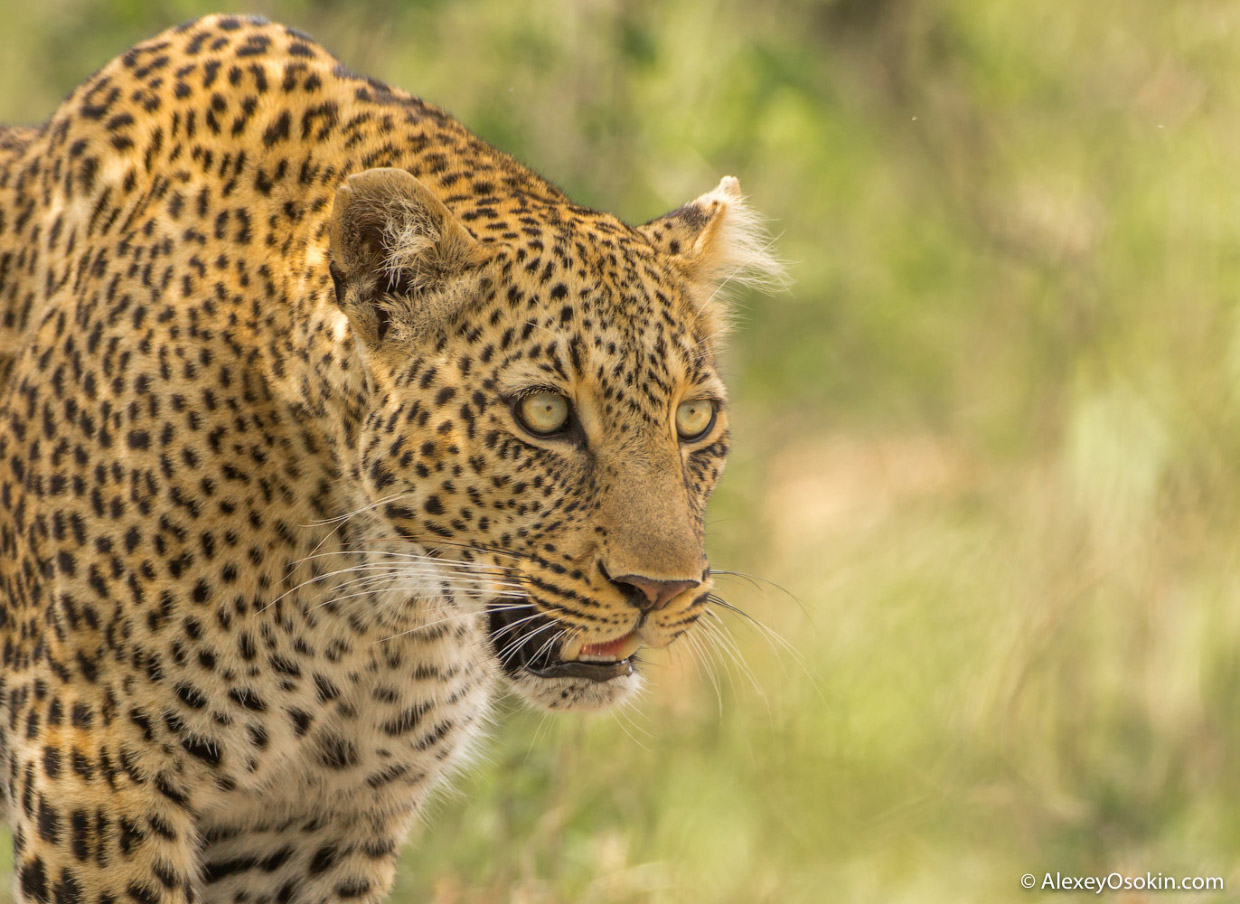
[{"x": 526, "y": 640}]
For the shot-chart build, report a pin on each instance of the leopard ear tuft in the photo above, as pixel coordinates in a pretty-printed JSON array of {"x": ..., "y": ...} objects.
[
  {"x": 718, "y": 240},
  {"x": 401, "y": 261}
]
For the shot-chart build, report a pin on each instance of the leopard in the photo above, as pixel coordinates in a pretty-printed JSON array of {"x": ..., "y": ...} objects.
[{"x": 323, "y": 425}]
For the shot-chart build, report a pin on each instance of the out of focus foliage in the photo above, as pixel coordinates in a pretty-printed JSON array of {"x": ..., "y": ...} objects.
[{"x": 989, "y": 443}]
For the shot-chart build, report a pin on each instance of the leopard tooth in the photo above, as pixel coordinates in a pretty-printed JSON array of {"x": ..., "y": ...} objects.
[
  {"x": 629, "y": 648},
  {"x": 571, "y": 649},
  {"x": 631, "y": 644}
]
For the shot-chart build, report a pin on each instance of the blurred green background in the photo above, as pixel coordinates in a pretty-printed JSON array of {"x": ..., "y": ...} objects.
[{"x": 988, "y": 445}]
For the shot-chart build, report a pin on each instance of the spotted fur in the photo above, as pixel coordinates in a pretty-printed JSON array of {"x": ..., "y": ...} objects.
[{"x": 267, "y": 515}]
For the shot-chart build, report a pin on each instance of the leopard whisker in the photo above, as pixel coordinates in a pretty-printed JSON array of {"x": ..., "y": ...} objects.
[
  {"x": 626, "y": 724},
  {"x": 715, "y": 629},
  {"x": 779, "y": 645},
  {"x": 510, "y": 649},
  {"x": 448, "y": 619},
  {"x": 371, "y": 582},
  {"x": 391, "y": 497},
  {"x": 434, "y": 560},
  {"x": 507, "y": 629},
  {"x": 756, "y": 581},
  {"x": 772, "y": 636},
  {"x": 546, "y": 726},
  {"x": 492, "y": 550},
  {"x": 431, "y": 574},
  {"x": 705, "y": 665},
  {"x": 505, "y": 653},
  {"x": 342, "y": 520},
  {"x": 549, "y": 644},
  {"x": 374, "y": 566}
]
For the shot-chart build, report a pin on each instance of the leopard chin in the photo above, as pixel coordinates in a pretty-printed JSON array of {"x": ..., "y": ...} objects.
[{"x": 574, "y": 693}]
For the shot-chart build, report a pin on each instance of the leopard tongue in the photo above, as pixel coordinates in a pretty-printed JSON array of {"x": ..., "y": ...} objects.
[{"x": 620, "y": 648}]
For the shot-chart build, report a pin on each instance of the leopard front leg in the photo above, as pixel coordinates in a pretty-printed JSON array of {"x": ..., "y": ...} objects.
[
  {"x": 90, "y": 826},
  {"x": 304, "y": 859}
]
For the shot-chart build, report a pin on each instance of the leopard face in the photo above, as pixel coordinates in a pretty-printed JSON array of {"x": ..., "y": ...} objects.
[{"x": 546, "y": 413}]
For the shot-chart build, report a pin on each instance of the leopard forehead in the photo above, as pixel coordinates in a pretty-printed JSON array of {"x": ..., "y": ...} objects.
[{"x": 605, "y": 324}]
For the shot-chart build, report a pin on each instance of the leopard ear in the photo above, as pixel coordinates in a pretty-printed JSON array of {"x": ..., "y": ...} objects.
[
  {"x": 717, "y": 239},
  {"x": 400, "y": 260}
]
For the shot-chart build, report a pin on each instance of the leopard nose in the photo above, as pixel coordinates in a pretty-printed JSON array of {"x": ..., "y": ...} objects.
[{"x": 652, "y": 594}]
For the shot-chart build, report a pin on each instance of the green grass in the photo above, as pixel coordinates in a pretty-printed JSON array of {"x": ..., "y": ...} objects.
[{"x": 989, "y": 443}]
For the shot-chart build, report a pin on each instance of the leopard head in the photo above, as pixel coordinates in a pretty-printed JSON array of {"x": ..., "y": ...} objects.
[{"x": 544, "y": 412}]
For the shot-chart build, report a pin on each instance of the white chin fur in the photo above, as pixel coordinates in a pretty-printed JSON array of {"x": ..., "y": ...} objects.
[{"x": 561, "y": 694}]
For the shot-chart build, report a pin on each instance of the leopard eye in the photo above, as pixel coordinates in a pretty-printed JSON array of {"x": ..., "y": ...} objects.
[
  {"x": 695, "y": 418},
  {"x": 543, "y": 413}
]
